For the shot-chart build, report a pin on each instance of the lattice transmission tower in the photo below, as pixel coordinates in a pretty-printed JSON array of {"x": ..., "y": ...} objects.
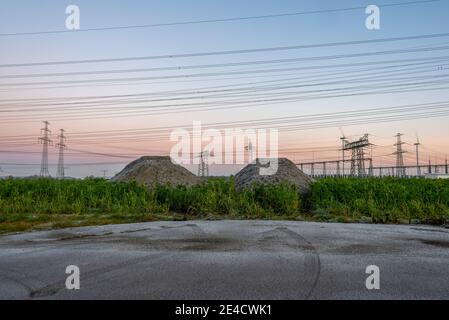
[
  {"x": 203, "y": 167},
  {"x": 45, "y": 140},
  {"x": 400, "y": 169},
  {"x": 357, "y": 149},
  {"x": 61, "y": 146}
]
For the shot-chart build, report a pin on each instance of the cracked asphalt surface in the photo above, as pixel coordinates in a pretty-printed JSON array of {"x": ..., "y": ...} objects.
[{"x": 227, "y": 260}]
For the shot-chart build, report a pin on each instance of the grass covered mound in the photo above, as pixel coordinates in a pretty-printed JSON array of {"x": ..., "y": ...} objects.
[
  {"x": 381, "y": 200},
  {"x": 285, "y": 171},
  {"x": 153, "y": 170}
]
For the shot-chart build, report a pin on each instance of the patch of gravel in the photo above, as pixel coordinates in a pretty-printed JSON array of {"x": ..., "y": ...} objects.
[
  {"x": 151, "y": 170},
  {"x": 287, "y": 172}
]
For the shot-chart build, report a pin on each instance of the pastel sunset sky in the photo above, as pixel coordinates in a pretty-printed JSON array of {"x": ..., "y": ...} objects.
[{"x": 136, "y": 70}]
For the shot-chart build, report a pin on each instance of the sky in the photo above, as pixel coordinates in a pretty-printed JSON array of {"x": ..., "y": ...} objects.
[{"x": 115, "y": 111}]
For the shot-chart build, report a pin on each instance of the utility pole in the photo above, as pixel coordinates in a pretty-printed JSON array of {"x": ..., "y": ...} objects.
[
  {"x": 343, "y": 143},
  {"x": 418, "y": 168},
  {"x": 61, "y": 145},
  {"x": 45, "y": 140},
  {"x": 249, "y": 148},
  {"x": 400, "y": 170},
  {"x": 338, "y": 169},
  {"x": 371, "y": 170},
  {"x": 203, "y": 167},
  {"x": 104, "y": 173},
  {"x": 445, "y": 167}
]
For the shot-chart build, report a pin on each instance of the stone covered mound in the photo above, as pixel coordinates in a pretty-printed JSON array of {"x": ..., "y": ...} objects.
[
  {"x": 287, "y": 172},
  {"x": 151, "y": 170}
]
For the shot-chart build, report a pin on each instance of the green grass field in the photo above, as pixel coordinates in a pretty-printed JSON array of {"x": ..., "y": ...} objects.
[
  {"x": 48, "y": 203},
  {"x": 385, "y": 200}
]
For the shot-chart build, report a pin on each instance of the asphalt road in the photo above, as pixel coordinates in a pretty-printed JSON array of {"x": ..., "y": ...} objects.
[{"x": 227, "y": 260}]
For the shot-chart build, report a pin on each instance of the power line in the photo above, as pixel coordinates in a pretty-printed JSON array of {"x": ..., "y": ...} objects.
[
  {"x": 185, "y": 81},
  {"x": 197, "y": 22},
  {"x": 232, "y": 52},
  {"x": 239, "y": 103},
  {"x": 215, "y": 65},
  {"x": 246, "y": 91},
  {"x": 292, "y": 122},
  {"x": 214, "y": 74},
  {"x": 283, "y": 151}
]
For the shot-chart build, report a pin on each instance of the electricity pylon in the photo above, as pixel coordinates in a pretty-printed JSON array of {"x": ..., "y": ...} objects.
[
  {"x": 400, "y": 170},
  {"x": 357, "y": 155},
  {"x": 343, "y": 142},
  {"x": 249, "y": 148},
  {"x": 45, "y": 140},
  {"x": 61, "y": 145},
  {"x": 203, "y": 167}
]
